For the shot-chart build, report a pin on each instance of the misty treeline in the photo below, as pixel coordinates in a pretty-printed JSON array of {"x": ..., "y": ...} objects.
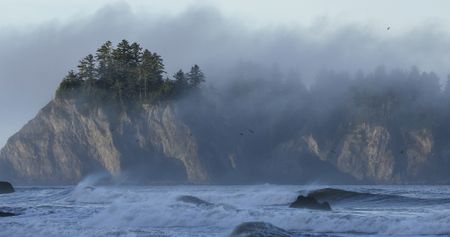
[
  {"x": 390, "y": 96},
  {"x": 256, "y": 111},
  {"x": 409, "y": 97},
  {"x": 127, "y": 72}
]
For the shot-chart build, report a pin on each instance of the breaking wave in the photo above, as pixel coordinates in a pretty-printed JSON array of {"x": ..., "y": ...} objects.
[
  {"x": 341, "y": 196},
  {"x": 95, "y": 210}
]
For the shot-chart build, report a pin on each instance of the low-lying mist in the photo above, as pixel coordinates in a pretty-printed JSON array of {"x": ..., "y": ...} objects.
[
  {"x": 33, "y": 62},
  {"x": 261, "y": 113}
]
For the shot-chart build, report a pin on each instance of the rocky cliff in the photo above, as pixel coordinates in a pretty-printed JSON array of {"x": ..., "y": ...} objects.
[
  {"x": 70, "y": 139},
  {"x": 67, "y": 141}
]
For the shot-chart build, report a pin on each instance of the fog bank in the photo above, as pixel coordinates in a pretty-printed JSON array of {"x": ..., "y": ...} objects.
[{"x": 33, "y": 63}]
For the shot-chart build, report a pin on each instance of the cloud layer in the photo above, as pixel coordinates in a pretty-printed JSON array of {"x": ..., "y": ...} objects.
[{"x": 33, "y": 63}]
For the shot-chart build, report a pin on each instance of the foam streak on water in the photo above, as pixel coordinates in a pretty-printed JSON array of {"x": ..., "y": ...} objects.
[{"x": 157, "y": 210}]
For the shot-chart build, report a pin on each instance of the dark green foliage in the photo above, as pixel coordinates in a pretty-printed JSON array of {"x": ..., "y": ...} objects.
[
  {"x": 181, "y": 81},
  {"x": 70, "y": 83},
  {"x": 105, "y": 63},
  {"x": 86, "y": 68},
  {"x": 151, "y": 72},
  {"x": 195, "y": 76},
  {"x": 127, "y": 72}
]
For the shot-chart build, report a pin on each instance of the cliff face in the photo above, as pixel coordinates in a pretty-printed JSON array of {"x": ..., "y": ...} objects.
[
  {"x": 66, "y": 142},
  {"x": 366, "y": 155},
  {"x": 370, "y": 154},
  {"x": 69, "y": 140}
]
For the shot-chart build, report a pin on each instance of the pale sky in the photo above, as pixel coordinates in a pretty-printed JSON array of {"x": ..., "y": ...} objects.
[
  {"x": 399, "y": 14},
  {"x": 40, "y": 40}
]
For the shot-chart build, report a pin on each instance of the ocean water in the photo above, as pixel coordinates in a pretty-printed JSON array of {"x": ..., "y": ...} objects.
[{"x": 89, "y": 210}]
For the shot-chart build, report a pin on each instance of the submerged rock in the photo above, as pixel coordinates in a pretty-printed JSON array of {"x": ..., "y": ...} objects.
[
  {"x": 310, "y": 203},
  {"x": 194, "y": 200},
  {"x": 6, "y": 187},
  {"x": 6, "y": 214},
  {"x": 259, "y": 229}
]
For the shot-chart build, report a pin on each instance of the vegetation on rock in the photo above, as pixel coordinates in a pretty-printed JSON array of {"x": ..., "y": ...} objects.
[{"x": 127, "y": 73}]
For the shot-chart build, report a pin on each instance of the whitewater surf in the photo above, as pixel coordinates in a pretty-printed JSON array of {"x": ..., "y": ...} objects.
[{"x": 255, "y": 210}]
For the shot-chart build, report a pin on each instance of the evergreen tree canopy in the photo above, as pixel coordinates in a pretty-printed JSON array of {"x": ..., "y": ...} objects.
[
  {"x": 181, "y": 81},
  {"x": 128, "y": 72},
  {"x": 86, "y": 68},
  {"x": 105, "y": 61},
  {"x": 195, "y": 76}
]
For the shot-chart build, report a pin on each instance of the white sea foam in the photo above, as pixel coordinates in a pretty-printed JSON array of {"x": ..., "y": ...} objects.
[{"x": 90, "y": 210}]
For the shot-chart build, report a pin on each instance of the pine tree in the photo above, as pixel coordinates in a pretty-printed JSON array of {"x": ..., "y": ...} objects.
[
  {"x": 136, "y": 55},
  {"x": 181, "y": 81},
  {"x": 128, "y": 72},
  {"x": 123, "y": 76},
  {"x": 151, "y": 71},
  {"x": 105, "y": 64},
  {"x": 87, "y": 68},
  {"x": 70, "y": 82},
  {"x": 195, "y": 76},
  {"x": 122, "y": 56}
]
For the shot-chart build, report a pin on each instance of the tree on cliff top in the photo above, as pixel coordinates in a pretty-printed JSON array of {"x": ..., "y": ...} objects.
[
  {"x": 127, "y": 72},
  {"x": 195, "y": 76}
]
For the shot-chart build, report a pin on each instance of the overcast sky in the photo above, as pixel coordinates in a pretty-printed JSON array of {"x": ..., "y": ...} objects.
[
  {"x": 401, "y": 14},
  {"x": 41, "y": 40}
]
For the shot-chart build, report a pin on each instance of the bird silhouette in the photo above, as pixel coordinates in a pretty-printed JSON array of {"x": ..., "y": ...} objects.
[{"x": 388, "y": 28}]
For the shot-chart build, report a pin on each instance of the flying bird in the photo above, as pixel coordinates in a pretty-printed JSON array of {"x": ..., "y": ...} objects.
[
  {"x": 242, "y": 134},
  {"x": 251, "y": 131},
  {"x": 388, "y": 28}
]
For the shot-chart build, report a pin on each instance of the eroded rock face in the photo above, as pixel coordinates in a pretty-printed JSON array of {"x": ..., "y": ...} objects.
[
  {"x": 369, "y": 153},
  {"x": 419, "y": 148},
  {"x": 169, "y": 135},
  {"x": 66, "y": 142},
  {"x": 69, "y": 140},
  {"x": 366, "y": 155}
]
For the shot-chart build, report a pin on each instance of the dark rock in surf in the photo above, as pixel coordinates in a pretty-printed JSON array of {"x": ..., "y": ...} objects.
[
  {"x": 332, "y": 194},
  {"x": 11, "y": 211},
  {"x": 336, "y": 195},
  {"x": 7, "y": 214},
  {"x": 6, "y": 187},
  {"x": 6, "y": 211},
  {"x": 193, "y": 200},
  {"x": 309, "y": 202},
  {"x": 259, "y": 229}
]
